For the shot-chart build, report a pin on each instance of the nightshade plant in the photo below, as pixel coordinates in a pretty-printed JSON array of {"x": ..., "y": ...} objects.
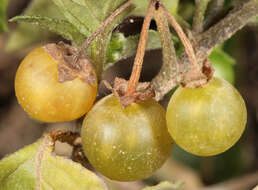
[{"x": 89, "y": 26}]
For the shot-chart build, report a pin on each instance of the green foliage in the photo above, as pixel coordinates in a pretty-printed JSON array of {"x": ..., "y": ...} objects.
[
  {"x": 223, "y": 64},
  {"x": 141, "y": 6},
  {"x": 3, "y": 6},
  {"x": 116, "y": 47},
  {"x": 78, "y": 15},
  {"x": 131, "y": 43},
  {"x": 81, "y": 19},
  {"x": 27, "y": 34},
  {"x": 36, "y": 167},
  {"x": 87, "y": 17},
  {"x": 61, "y": 27}
]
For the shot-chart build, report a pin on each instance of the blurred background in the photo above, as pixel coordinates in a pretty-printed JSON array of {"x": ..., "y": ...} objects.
[{"x": 236, "y": 61}]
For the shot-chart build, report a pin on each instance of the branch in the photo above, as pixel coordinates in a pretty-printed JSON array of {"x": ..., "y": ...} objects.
[
  {"x": 170, "y": 65},
  {"x": 214, "y": 36},
  {"x": 200, "y": 9},
  {"x": 227, "y": 27},
  {"x": 215, "y": 9},
  {"x": 189, "y": 50}
]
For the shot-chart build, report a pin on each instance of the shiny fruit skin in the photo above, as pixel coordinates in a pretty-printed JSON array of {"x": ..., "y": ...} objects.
[
  {"x": 206, "y": 121},
  {"x": 126, "y": 144},
  {"x": 43, "y": 97}
]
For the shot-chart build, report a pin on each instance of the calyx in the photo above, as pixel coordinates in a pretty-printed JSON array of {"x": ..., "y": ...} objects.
[
  {"x": 68, "y": 67},
  {"x": 143, "y": 91}
]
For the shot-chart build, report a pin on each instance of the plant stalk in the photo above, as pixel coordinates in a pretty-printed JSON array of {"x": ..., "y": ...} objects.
[
  {"x": 186, "y": 42},
  {"x": 170, "y": 65},
  {"x": 200, "y": 9},
  {"x": 137, "y": 67},
  {"x": 102, "y": 27}
]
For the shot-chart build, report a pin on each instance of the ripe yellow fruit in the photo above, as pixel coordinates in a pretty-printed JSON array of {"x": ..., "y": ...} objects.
[
  {"x": 206, "y": 121},
  {"x": 43, "y": 97}
]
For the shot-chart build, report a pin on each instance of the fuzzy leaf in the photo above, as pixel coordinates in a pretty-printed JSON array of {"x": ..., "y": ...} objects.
[
  {"x": 77, "y": 14},
  {"x": 61, "y": 27},
  {"x": 131, "y": 44},
  {"x": 26, "y": 34},
  {"x": 36, "y": 167},
  {"x": 111, "y": 6},
  {"x": 223, "y": 64},
  {"x": 141, "y": 6},
  {"x": 166, "y": 186},
  {"x": 99, "y": 46},
  {"x": 103, "y": 8},
  {"x": 3, "y": 6}
]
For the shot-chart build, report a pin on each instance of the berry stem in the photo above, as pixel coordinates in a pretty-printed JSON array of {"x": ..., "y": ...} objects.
[
  {"x": 101, "y": 28},
  {"x": 186, "y": 42},
  {"x": 137, "y": 67},
  {"x": 170, "y": 65}
]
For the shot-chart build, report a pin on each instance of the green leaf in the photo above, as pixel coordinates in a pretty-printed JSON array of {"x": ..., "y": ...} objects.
[
  {"x": 255, "y": 20},
  {"x": 166, "y": 186},
  {"x": 78, "y": 15},
  {"x": 111, "y": 6},
  {"x": 3, "y": 6},
  {"x": 26, "y": 34},
  {"x": 36, "y": 167},
  {"x": 116, "y": 47},
  {"x": 223, "y": 64},
  {"x": 87, "y": 16},
  {"x": 103, "y": 8},
  {"x": 61, "y": 27},
  {"x": 121, "y": 47},
  {"x": 99, "y": 47},
  {"x": 131, "y": 44},
  {"x": 141, "y": 6}
]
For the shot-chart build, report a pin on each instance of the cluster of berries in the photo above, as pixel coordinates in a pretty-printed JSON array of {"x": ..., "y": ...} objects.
[{"x": 130, "y": 143}]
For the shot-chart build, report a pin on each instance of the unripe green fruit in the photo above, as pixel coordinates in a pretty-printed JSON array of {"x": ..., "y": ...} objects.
[
  {"x": 206, "y": 121},
  {"x": 126, "y": 144}
]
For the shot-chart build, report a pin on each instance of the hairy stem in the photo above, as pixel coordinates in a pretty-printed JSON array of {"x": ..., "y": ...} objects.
[
  {"x": 200, "y": 9},
  {"x": 101, "y": 28},
  {"x": 215, "y": 9},
  {"x": 137, "y": 67},
  {"x": 170, "y": 67},
  {"x": 214, "y": 36},
  {"x": 104, "y": 25},
  {"x": 98, "y": 52},
  {"x": 186, "y": 42},
  {"x": 227, "y": 27}
]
